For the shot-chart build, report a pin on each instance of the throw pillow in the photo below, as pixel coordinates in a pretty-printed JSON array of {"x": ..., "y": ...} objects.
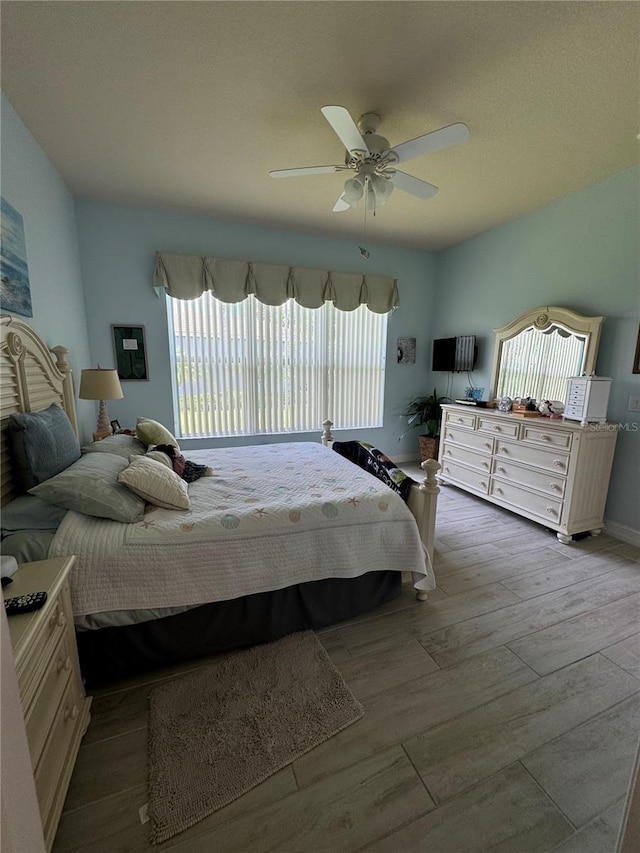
[{"x": 156, "y": 483}]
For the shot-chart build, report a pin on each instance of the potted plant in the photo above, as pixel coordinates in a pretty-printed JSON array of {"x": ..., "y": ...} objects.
[{"x": 426, "y": 412}]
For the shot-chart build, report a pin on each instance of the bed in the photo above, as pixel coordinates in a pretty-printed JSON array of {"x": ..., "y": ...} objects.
[{"x": 281, "y": 537}]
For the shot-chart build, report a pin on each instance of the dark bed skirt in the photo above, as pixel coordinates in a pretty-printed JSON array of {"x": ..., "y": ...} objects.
[{"x": 110, "y": 653}]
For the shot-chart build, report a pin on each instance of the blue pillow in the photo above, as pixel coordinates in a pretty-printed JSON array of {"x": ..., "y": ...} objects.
[
  {"x": 30, "y": 513},
  {"x": 42, "y": 444}
]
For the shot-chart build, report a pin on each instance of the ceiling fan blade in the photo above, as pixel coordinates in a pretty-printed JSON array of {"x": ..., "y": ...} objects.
[
  {"x": 346, "y": 128},
  {"x": 341, "y": 204},
  {"x": 453, "y": 134},
  {"x": 413, "y": 186},
  {"x": 306, "y": 170}
]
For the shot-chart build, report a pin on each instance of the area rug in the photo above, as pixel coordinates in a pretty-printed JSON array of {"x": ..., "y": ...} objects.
[{"x": 219, "y": 731}]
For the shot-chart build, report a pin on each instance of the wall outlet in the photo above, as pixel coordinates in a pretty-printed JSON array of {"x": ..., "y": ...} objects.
[{"x": 634, "y": 404}]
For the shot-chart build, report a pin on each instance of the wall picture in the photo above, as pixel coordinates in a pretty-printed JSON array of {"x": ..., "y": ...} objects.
[
  {"x": 406, "y": 350},
  {"x": 15, "y": 292},
  {"x": 131, "y": 353}
]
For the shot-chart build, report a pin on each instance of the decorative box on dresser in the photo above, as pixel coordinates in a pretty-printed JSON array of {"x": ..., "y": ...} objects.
[
  {"x": 56, "y": 710},
  {"x": 554, "y": 472}
]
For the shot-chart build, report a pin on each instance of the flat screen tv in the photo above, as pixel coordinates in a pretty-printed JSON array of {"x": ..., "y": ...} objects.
[{"x": 455, "y": 354}]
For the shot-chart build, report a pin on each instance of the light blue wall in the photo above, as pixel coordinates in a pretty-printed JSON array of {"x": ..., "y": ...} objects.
[
  {"x": 118, "y": 245},
  {"x": 30, "y": 183},
  {"x": 582, "y": 252}
]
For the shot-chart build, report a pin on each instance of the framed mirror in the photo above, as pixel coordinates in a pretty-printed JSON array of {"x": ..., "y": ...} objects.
[{"x": 536, "y": 352}]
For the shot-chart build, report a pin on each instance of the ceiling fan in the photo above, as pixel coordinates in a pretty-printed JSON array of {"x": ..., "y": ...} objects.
[{"x": 374, "y": 161}]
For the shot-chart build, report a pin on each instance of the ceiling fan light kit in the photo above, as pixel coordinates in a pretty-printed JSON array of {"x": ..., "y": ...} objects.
[{"x": 374, "y": 161}]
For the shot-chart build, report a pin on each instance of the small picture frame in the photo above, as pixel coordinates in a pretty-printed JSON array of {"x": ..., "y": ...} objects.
[
  {"x": 115, "y": 426},
  {"x": 131, "y": 353}
]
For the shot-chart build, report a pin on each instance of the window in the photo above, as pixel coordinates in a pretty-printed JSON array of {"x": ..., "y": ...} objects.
[{"x": 247, "y": 368}]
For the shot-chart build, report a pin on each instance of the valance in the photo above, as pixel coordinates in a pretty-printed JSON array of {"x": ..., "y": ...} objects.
[{"x": 189, "y": 276}]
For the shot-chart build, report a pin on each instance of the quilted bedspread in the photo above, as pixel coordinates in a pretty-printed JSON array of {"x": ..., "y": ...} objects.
[{"x": 271, "y": 516}]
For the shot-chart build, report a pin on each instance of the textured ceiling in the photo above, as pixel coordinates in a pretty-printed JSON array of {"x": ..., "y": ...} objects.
[{"x": 188, "y": 105}]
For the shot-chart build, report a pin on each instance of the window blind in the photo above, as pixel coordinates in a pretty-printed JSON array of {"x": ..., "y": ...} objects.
[{"x": 247, "y": 368}]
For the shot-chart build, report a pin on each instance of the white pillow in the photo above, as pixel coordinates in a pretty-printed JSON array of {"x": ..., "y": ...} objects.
[
  {"x": 152, "y": 432},
  {"x": 155, "y": 483}
]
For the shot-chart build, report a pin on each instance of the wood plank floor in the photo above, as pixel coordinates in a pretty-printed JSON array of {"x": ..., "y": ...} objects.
[{"x": 501, "y": 715}]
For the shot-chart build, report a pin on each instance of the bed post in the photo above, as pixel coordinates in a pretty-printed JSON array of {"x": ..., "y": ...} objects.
[
  {"x": 64, "y": 367},
  {"x": 423, "y": 502},
  {"x": 327, "y": 438}
]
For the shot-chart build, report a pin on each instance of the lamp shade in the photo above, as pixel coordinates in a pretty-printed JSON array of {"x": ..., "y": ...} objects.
[{"x": 100, "y": 384}]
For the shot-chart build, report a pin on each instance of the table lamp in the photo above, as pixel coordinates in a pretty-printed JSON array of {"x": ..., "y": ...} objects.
[{"x": 101, "y": 384}]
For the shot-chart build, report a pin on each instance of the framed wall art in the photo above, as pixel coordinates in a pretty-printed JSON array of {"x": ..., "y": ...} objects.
[
  {"x": 406, "y": 350},
  {"x": 131, "y": 353},
  {"x": 15, "y": 290}
]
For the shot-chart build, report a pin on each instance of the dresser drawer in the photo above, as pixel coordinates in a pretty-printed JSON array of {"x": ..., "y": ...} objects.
[
  {"x": 556, "y": 462},
  {"x": 505, "y": 428},
  {"x": 469, "y": 439},
  {"x": 40, "y": 714},
  {"x": 460, "y": 419},
  {"x": 577, "y": 395},
  {"x": 472, "y": 458},
  {"x": 32, "y": 666},
  {"x": 550, "y": 484},
  {"x": 546, "y": 508},
  {"x": 473, "y": 479},
  {"x": 546, "y": 437},
  {"x": 49, "y": 773}
]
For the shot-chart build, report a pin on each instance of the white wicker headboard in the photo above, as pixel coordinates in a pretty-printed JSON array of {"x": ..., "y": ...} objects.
[{"x": 30, "y": 380}]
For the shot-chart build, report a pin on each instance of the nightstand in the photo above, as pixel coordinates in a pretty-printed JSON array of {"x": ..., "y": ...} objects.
[{"x": 56, "y": 709}]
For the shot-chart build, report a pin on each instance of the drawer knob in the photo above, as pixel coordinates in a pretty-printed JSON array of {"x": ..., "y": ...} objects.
[
  {"x": 482, "y": 483},
  {"x": 504, "y": 450},
  {"x": 555, "y": 486},
  {"x": 501, "y": 470},
  {"x": 487, "y": 444},
  {"x": 485, "y": 464},
  {"x": 551, "y": 510},
  {"x": 448, "y": 452},
  {"x": 545, "y": 437},
  {"x": 64, "y": 663},
  {"x": 498, "y": 490},
  {"x": 558, "y": 463},
  {"x": 56, "y": 619},
  {"x": 71, "y": 713},
  {"x": 460, "y": 420},
  {"x": 498, "y": 429}
]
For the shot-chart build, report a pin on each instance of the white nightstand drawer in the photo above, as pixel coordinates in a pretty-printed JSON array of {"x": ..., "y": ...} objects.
[
  {"x": 57, "y": 749},
  {"x": 43, "y": 709},
  {"x": 31, "y": 668}
]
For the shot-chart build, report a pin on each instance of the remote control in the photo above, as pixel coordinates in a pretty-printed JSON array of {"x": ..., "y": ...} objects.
[{"x": 25, "y": 603}]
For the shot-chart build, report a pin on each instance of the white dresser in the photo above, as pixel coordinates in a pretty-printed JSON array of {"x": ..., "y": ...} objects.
[{"x": 550, "y": 471}]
